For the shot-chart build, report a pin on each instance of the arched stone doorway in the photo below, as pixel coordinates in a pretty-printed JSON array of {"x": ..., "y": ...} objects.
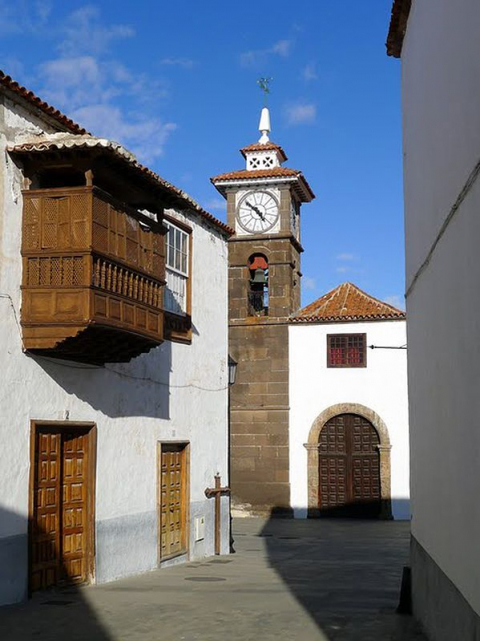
[{"x": 382, "y": 444}]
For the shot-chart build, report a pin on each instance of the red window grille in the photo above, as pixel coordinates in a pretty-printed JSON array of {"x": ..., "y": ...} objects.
[{"x": 346, "y": 350}]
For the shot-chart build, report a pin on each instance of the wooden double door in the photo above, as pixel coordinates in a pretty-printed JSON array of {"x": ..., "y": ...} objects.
[
  {"x": 349, "y": 468},
  {"x": 172, "y": 499},
  {"x": 61, "y": 521}
]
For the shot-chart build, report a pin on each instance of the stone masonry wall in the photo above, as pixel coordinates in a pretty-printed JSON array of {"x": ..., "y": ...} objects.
[{"x": 259, "y": 417}]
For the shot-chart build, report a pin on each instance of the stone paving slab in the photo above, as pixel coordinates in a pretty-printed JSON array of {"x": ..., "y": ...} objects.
[{"x": 313, "y": 580}]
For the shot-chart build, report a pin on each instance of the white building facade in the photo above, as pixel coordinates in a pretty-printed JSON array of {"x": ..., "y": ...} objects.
[
  {"x": 439, "y": 48},
  {"x": 348, "y": 400},
  {"x": 95, "y": 452}
]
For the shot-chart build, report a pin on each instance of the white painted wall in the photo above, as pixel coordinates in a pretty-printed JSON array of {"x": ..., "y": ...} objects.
[
  {"x": 175, "y": 392},
  {"x": 441, "y": 105},
  {"x": 381, "y": 386}
]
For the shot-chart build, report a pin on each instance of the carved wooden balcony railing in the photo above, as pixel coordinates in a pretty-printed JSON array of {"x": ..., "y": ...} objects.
[{"x": 93, "y": 276}]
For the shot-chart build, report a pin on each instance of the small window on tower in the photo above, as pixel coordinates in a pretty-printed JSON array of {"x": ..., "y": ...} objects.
[
  {"x": 268, "y": 162},
  {"x": 346, "y": 350}
]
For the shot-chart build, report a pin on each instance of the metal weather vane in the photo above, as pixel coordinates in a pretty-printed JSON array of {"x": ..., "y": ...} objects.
[{"x": 264, "y": 84}]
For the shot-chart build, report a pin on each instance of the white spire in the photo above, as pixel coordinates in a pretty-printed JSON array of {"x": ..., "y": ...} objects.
[{"x": 264, "y": 125}]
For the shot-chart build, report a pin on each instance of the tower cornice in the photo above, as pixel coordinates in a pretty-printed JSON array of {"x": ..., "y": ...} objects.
[{"x": 263, "y": 177}]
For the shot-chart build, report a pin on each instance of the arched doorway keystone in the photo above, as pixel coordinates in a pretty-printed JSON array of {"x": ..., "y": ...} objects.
[{"x": 313, "y": 454}]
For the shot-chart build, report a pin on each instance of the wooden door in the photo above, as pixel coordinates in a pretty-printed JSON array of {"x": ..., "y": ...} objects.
[
  {"x": 172, "y": 500},
  {"x": 60, "y": 521},
  {"x": 349, "y": 474}
]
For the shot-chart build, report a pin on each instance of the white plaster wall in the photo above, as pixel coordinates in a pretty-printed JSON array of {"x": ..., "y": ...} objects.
[
  {"x": 381, "y": 386},
  {"x": 441, "y": 107},
  {"x": 441, "y": 104},
  {"x": 175, "y": 392}
]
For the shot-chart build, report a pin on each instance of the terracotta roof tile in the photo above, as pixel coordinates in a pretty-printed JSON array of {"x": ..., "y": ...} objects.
[
  {"x": 245, "y": 174},
  {"x": 274, "y": 172},
  {"x": 398, "y": 27},
  {"x": 347, "y": 303},
  {"x": 34, "y": 100},
  {"x": 264, "y": 146}
]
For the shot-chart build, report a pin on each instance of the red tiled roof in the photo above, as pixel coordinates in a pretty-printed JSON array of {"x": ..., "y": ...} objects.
[
  {"x": 347, "y": 303},
  {"x": 29, "y": 96},
  {"x": 398, "y": 27},
  {"x": 245, "y": 174},
  {"x": 69, "y": 142},
  {"x": 267, "y": 146},
  {"x": 274, "y": 172}
]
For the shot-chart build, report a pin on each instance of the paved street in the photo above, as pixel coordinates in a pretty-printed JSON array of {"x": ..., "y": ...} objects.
[{"x": 308, "y": 580}]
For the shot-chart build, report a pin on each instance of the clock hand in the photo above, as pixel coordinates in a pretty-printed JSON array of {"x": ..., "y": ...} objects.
[{"x": 255, "y": 209}]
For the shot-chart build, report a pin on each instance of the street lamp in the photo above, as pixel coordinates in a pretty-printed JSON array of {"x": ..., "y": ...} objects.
[{"x": 232, "y": 370}]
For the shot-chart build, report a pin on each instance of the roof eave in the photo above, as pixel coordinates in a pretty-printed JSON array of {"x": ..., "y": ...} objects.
[
  {"x": 177, "y": 196},
  {"x": 18, "y": 92},
  {"x": 398, "y": 27},
  {"x": 345, "y": 319},
  {"x": 302, "y": 187}
]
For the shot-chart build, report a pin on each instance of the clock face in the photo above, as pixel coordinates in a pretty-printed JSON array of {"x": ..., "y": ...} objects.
[{"x": 257, "y": 212}]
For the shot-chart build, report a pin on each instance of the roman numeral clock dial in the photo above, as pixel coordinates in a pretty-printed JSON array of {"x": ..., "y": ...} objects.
[{"x": 257, "y": 212}]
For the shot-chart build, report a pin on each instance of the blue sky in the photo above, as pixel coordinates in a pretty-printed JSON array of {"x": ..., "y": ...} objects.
[{"x": 176, "y": 83}]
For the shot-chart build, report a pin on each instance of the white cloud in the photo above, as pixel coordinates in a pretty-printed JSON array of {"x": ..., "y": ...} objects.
[
  {"x": 342, "y": 269},
  {"x": 186, "y": 63},
  {"x": 309, "y": 72},
  {"x": 396, "y": 301},
  {"x": 100, "y": 92},
  {"x": 84, "y": 32},
  {"x": 144, "y": 136},
  {"x": 346, "y": 256},
  {"x": 88, "y": 83},
  {"x": 216, "y": 204},
  {"x": 301, "y": 113},
  {"x": 281, "y": 48},
  {"x": 71, "y": 82},
  {"x": 44, "y": 9},
  {"x": 24, "y": 16},
  {"x": 309, "y": 284}
]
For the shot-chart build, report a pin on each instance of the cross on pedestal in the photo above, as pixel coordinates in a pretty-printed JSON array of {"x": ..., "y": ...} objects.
[{"x": 217, "y": 492}]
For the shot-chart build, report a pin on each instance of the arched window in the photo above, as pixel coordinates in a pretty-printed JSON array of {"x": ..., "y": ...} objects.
[{"x": 258, "y": 285}]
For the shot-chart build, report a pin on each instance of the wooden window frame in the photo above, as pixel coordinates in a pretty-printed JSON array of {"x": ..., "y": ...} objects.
[
  {"x": 346, "y": 336},
  {"x": 178, "y": 327},
  {"x": 35, "y": 427},
  {"x": 186, "y": 501}
]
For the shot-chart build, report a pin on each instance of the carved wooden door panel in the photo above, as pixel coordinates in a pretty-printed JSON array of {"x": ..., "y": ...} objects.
[
  {"x": 60, "y": 515},
  {"x": 172, "y": 500},
  {"x": 349, "y": 467},
  {"x": 74, "y": 507},
  {"x": 45, "y": 526}
]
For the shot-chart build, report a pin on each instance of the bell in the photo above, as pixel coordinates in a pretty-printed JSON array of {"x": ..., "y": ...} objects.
[{"x": 259, "y": 278}]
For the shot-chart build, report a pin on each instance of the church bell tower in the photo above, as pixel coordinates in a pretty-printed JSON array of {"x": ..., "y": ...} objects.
[{"x": 263, "y": 207}]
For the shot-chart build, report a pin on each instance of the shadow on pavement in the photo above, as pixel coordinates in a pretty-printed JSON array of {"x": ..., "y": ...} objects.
[
  {"x": 56, "y": 613},
  {"x": 346, "y": 574}
]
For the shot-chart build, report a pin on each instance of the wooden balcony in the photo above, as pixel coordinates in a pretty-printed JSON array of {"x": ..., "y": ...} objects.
[{"x": 93, "y": 276}]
